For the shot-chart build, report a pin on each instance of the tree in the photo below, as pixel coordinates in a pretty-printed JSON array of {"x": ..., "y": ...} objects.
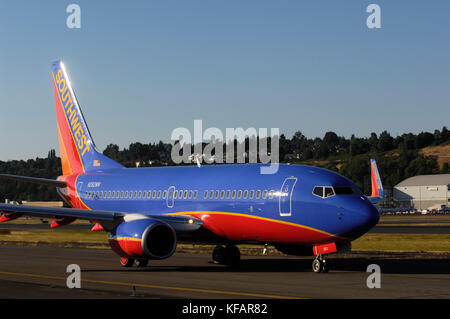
[{"x": 385, "y": 142}]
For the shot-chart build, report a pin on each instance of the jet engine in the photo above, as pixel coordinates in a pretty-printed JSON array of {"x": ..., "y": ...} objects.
[{"x": 145, "y": 238}]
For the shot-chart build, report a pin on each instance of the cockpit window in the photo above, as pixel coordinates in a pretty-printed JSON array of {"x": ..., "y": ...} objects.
[
  {"x": 328, "y": 192},
  {"x": 343, "y": 190},
  {"x": 318, "y": 191}
]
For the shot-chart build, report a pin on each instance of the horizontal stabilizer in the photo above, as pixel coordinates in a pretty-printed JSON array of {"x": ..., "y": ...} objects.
[{"x": 36, "y": 180}]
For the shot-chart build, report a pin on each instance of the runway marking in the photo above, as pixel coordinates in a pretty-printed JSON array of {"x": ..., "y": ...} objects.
[{"x": 221, "y": 292}]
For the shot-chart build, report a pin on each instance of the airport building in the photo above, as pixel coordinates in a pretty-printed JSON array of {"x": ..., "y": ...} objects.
[{"x": 423, "y": 191}]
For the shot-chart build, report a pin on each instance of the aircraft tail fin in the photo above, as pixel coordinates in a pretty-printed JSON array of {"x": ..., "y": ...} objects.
[
  {"x": 377, "y": 186},
  {"x": 78, "y": 152}
]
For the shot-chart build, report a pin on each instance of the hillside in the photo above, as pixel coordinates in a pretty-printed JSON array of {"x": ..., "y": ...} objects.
[{"x": 441, "y": 152}]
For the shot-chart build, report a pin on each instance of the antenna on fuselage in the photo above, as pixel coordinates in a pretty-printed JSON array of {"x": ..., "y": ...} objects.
[{"x": 197, "y": 161}]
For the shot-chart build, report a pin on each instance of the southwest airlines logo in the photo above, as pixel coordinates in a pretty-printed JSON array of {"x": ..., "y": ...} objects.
[
  {"x": 375, "y": 175},
  {"x": 71, "y": 113}
]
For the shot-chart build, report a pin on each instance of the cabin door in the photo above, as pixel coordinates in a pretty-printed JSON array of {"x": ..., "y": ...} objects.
[
  {"x": 285, "y": 198},
  {"x": 79, "y": 190},
  {"x": 170, "y": 193}
]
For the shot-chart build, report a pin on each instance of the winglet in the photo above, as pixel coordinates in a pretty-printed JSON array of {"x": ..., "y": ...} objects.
[{"x": 377, "y": 186}]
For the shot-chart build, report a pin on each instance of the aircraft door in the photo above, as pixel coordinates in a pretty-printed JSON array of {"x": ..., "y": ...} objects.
[
  {"x": 285, "y": 198},
  {"x": 170, "y": 192},
  {"x": 79, "y": 190}
]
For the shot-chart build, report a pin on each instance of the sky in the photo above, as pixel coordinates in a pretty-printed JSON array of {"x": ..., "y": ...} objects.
[{"x": 141, "y": 69}]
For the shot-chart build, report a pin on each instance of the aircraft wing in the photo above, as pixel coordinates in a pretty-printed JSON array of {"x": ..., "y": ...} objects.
[
  {"x": 51, "y": 212},
  {"x": 179, "y": 223}
]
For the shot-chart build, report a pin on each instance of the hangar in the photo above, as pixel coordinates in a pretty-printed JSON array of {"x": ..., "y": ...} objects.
[{"x": 423, "y": 191}]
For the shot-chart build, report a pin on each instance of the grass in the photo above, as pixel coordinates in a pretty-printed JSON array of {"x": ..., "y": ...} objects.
[
  {"x": 54, "y": 236},
  {"x": 403, "y": 242},
  {"x": 368, "y": 242}
]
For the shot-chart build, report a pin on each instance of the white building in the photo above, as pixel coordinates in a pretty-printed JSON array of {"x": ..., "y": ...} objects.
[{"x": 424, "y": 191}]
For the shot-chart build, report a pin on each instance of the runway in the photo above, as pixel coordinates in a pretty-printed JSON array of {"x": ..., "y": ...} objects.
[{"x": 40, "y": 272}]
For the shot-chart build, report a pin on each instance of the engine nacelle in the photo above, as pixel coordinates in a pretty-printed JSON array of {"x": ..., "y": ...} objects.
[{"x": 143, "y": 238}]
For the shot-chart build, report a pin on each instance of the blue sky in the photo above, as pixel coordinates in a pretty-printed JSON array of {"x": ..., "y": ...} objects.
[{"x": 143, "y": 68}]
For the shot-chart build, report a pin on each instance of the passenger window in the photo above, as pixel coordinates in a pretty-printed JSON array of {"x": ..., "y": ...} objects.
[
  {"x": 190, "y": 194},
  {"x": 140, "y": 194},
  {"x": 222, "y": 194},
  {"x": 271, "y": 194},
  {"x": 239, "y": 194},
  {"x": 258, "y": 194},
  {"x": 264, "y": 195},
  {"x": 159, "y": 194},
  {"x": 164, "y": 194},
  {"x": 217, "y": 195},
  {"x": 211, "y": 194},
  {"x": 252, "y": 193},
  {"x": 126, "y": 194},
  {"x": 195, "y": 194},
  {"x": 245, "y": 194},
  {"x": 205, "y": 195},
  {"x": 233, "y": 194},
  {"x": 149, "y": 194},
  {"x": 185, "y": 194},
  {"x": 228, "y": 194}
]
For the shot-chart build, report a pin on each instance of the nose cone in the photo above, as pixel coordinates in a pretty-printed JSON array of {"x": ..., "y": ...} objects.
[
  {"x": 363, "y": 216},
  {"x": 371, "y": 217}
]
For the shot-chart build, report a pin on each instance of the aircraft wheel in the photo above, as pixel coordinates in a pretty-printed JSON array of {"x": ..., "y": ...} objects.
[
  {"x": 232, "y": 255},
  {"x": 126, "y": 262},
  {"x": 141, "y": 262},
  {"x": 218, "y": 255},
  {"x": 317, "y": 265}
]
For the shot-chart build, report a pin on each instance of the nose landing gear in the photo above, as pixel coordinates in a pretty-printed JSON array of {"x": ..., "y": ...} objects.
[{"x": 320, "y": 265}]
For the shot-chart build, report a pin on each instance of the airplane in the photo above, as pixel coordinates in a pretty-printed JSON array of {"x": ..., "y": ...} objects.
[{"x": 301, "y": 210}]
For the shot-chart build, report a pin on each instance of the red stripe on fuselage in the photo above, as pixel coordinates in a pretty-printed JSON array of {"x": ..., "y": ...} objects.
[{"x": 238, "y": 227}]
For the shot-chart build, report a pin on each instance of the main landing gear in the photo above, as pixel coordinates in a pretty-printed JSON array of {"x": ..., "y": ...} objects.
[
  {"x": 228, "y": 255},
  {"x": 320, "y": 265},
  {"x": 129, "y": 262}
]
